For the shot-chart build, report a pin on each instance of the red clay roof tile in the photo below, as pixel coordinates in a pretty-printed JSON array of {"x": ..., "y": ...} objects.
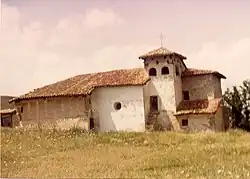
[
  {"x": 204, "y": 106},
  {"x": 84, "y": 84},
  {"x": 160, "y": 52},
  {"x": 197, "y": 72}
]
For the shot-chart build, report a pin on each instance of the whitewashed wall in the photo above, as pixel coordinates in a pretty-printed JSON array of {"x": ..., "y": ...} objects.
[
  {"x": 168, "y": 88},
  {"x": 197, "y": 122},
  {"x": 163, "y": 87},
  {"x": 204, "y": 122},
  {"x": 131, "y": 115}
]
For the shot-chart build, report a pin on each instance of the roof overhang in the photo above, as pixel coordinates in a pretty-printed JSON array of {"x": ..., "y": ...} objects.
[
  {"x": 18, "y": 99},
  {"x": 143, "y": 57},
  {"x": 200, "y": 72}
]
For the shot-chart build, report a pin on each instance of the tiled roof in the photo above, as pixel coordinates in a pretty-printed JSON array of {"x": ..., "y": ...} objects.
[
  {"x": 198, "y": 107},
  {"x": 84, "y": 84},
  {"x": 197, "y": 72},
  {"x": 7, "y": 111},
  {"x": 160, "y": 52}
]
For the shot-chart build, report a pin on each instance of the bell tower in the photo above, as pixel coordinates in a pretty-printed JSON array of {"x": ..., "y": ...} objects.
[{"x": 164, "y": 91}]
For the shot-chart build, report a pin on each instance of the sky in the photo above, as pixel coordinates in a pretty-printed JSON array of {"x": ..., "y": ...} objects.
[{"x": 42, "y": 42}]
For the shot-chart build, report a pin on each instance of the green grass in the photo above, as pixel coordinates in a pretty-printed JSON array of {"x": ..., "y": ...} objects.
[{"x": 57, "y": 154}]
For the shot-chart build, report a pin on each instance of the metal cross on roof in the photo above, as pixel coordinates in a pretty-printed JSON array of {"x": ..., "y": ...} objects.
[{"x": 161, "y": 37}]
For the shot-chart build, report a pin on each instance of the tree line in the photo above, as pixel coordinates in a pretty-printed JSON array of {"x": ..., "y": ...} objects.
[{"x": 237, "y": 101}]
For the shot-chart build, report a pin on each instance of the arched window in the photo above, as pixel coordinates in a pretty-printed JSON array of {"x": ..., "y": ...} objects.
[
  {"x": 165, "y": 71},
  {"x": 152, "y": 72},
  {"x": 177, "y": 71}
]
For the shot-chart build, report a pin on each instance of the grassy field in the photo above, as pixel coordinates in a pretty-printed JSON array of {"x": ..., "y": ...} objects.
[{"x": 139, "y": 155}]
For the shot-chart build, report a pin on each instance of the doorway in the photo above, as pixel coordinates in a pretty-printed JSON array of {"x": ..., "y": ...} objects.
[
  {"x": 153, "y": 103},
  {"x": 91, "y": 123}
]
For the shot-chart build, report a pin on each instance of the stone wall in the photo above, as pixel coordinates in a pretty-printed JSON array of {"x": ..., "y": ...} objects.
[
  {"x": 63, "y": 112},
  {"x": 202, "y": 87},
  {"x": 217, "y": 87}
]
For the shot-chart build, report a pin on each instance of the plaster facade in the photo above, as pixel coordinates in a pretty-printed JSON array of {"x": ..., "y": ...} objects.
[
  {"x": 196, "y": 123},
  {"x": 203, "y": 122},
  {"x": 167, "y": 88},
  {"x": 130, "y": 117},
  {"x": 169, "y": 91}
]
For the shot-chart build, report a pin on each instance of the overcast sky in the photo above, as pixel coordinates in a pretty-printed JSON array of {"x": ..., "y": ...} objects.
[{"x": 43, "y": 41}]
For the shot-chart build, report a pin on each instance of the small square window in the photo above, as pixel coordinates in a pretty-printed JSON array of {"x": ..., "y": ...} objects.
[
  {"x": 185, "y": 95},
  {"x": 184, "y": 122}
]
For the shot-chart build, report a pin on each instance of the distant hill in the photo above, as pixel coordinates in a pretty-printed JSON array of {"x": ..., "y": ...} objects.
[{"x": 4, "y": 102}]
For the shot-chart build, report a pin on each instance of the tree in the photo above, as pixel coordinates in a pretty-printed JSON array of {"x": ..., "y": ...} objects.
[
  {"x": 245, "y": 88},
  {"x": 238, "y": 102}
]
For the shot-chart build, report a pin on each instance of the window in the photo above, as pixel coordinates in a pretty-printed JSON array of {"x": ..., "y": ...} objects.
[
  {"x": 165, "y": 71},
  {"x": 165, "y": 57},
  {"x": 21, "y": 109},
  {"x": 177, "y": 71},
  {"x": 185, "y": 95},
  {"x": 184, "y": 122},
  {"x": 117, "y": 106},
  {"x": 153, "y": 103},
  {"x": 152, "y": 72},
  {"x": 157, "y": 62}
]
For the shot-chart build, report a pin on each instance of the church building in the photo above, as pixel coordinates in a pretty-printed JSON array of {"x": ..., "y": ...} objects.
[{"x": 165, "y": 94}]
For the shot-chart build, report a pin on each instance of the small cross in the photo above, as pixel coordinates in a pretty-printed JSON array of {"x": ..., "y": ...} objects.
[{"x": 161, "y": 38}]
